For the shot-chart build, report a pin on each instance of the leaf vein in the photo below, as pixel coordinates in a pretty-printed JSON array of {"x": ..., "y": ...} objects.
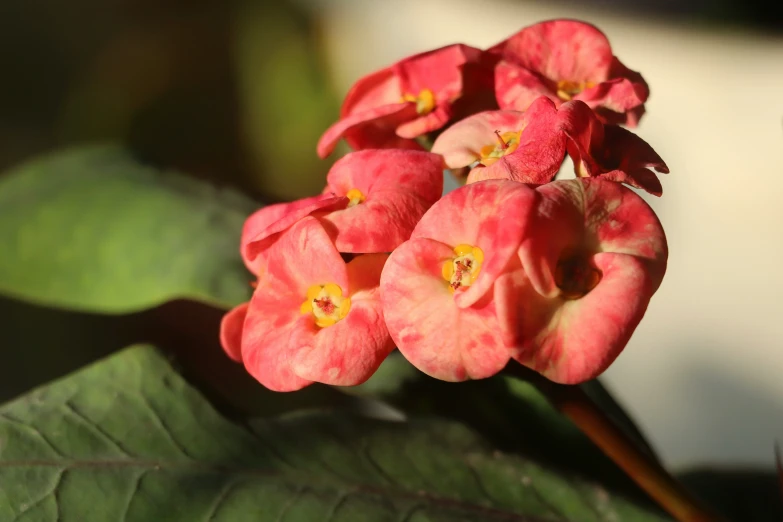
[
  {"x": 71, "y": 408},
  {"x": 29, "y": 427}
]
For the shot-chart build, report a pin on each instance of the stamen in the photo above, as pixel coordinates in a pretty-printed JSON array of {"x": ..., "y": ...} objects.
[
  {"x": 425, "y": 101},
  {"x": 355, "y": 197},
  {"x": 463, "y": 269},
  {"x": 326, "y": 304},
  {"x": 506, "y": 142},
  {"x": 503, "y": 144},
  {"x": 567, "y": 89}
]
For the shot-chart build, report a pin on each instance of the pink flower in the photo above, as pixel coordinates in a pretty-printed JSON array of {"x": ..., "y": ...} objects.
[
  {"x": 608, "y": 151},
  {"x": 438, "y": 288},
  {"x": 523, "y": 146},
  {"x": 529, "y": 146},
  {"x": 595, "y": 255},
  {"x": 312, "y": 317},
  {"x": 372, "y": 201},
  {"x": 391, "y": 107},
  {"x": 565, "y": 60}
]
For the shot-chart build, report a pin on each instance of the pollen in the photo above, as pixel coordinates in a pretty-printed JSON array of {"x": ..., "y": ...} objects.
[
  {"x": 506, "y": 143},
  {"x": 567, "y": 89},
  {"x": 425, "y": 101},
  {"x": 355, "y": 197},
  {"x": 326, "y": 304},
  {"x": 463, "y": 269}
]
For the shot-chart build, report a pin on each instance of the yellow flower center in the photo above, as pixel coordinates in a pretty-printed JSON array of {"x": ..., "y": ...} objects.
[
  {"x": 463, "y": 269},
  {"x": 326, "y": 303},
  {"x": 355, "y": 197},
  {"x": 567, "y": 89},
  {"x": 507, "y": 142},
  {"x": 425, "y": 101},
  {"x": 575, "y": 276}
]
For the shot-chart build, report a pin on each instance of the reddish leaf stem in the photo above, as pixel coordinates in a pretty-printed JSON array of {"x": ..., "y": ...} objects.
[{"x": 640, "y": 466}]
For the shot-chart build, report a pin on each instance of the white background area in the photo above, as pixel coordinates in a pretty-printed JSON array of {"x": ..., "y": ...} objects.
[{"x": 703, "y": 374}]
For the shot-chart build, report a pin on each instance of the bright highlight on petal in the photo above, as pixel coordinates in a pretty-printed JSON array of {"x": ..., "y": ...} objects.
[
  {"x": 425, "y": 101},
  {"x": 326, "y": 303}
]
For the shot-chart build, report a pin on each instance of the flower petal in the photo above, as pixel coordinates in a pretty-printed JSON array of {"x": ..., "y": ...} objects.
[
  {"x": 560, "y": 50},
  {"x": 542, "y": 147},
  {"x": 262, "y": 228},
  {"x": 371, "y": 128},
  {"x": 373, "y": 115},
  {"x": 609, "y": 151},
  {"x": 583, "y": 216},
  {"x": 348, "y": 352},
  {"x": 516, "y": 88},
  {"x": 461, "y": 144},
  {"x": 302, "y": 256},
  {"x": 576, "y": 341},
  {"x": 399, "y": 187},
  {"x": 439, "y": 70},
  {"x": 624, "y": 98},
  {"x": 492, "y": 215},
  {"x": 381, "y": 88},
  {"x": 424, "y": 124},
  {"x": 440, "y": 339},
  {"x": 231, "y": 326}
]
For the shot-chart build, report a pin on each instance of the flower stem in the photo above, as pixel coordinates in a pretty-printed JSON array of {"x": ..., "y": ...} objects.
[{"x": 638, "y": 464}]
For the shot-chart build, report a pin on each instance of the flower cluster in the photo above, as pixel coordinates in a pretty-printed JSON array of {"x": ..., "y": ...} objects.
[{"x": 555, "y": 274}]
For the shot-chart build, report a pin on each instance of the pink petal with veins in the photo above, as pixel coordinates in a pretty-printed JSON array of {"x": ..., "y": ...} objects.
[
  {"x": 600, "y": 224},
  {"x": 263, "y": 227},
  {"x": 372, "y": 128},
  {"x": 399, "y": 187},
  {"x": 549, "y": 56},
  {"x": 516, "y": 88},
  {"x": 436, "y": 336},
  {"x": 575, "y": 341},
  {"x": 303, "y": 256},
  {"x": 609, "y": 151},
  {"x": 535, "y": 160},
  {"x": 375, "y": 116},
  {"x": 560, "y": 50},
  {"x": 492, "y": 215},
  {"x": 461, "y": 144},
  {"x": 350, "y": 351}
]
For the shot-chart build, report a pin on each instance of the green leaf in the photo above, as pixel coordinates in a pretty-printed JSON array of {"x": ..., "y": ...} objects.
[
  {"x": 128, "y": 439},
  {"x": 92, "y": 229},
  {"x": 68, "y": 341},
  {"x": 511, "y": 413}
]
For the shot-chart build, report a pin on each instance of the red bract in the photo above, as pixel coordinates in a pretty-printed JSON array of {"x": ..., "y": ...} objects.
[
  {"x": 391, "y": 107},
  {"x": 438, "y": 288},
  {"x": 595, "y": 255},
  {"x": 523, "y": 146},
  {"x": 312, "y": 317},
  {"x": 565, "y": 60},
  {"x": 372, "y": 201},
  {"x": 608, "y": 151}
]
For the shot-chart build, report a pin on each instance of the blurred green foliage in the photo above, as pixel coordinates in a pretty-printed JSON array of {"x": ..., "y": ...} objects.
[
  {"x": 92, "y": 229},
  {"x": 233, "y": 91}
]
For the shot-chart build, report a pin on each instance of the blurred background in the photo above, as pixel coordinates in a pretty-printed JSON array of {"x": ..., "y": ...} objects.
[{"x": 239, "y": 92}]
